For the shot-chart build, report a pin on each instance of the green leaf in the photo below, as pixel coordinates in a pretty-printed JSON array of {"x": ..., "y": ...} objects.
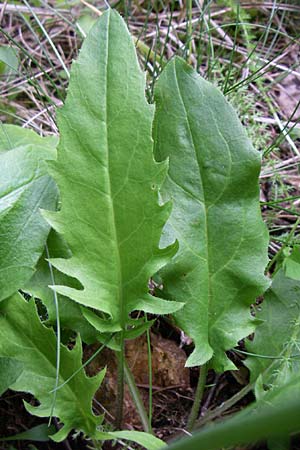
[
  {"x": 278, "y": 337},
  {"x": 10, "y": 370},
  {"x": 70, "y": 315},
  {"x": 291, "y": 264},
  {"x": 12, "y": 136},
  {"x": 109, "y": 181},
  {"x": 8, "y": 59},
  {"x": 85, "y": 22},
  {"x": 279, "y": 443},
  {"x": 146, "y": 440},
  {"x": 213, "y": 180},
  {"x": 40, "y": 433},
  {"x": 25, "y": 187},
  {"x": 278, "y": 415},
  {"x": 25, "y": 338}
]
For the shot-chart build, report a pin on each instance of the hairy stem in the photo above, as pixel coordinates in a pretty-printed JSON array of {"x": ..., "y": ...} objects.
[{"x": 198, "y": 397}]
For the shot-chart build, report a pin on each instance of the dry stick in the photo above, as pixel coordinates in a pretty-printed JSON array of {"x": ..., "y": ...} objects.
[
  {"x": 224, "y": 406},
  {"x": 210, "y": 394},
  {"x": 198, "y": 397},
  {"x": 48, "y": 39},
  {"x": 213, "y": 414},
  {"x": 189, "y": 28},
  {"x": 2, "y": 11},
  {"x": 7, "y": 8}
]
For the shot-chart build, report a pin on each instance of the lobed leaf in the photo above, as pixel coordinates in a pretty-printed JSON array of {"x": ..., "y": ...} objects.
[
  {"x": 109, "y": 181},
  {"x": 70, "y": 314},
  {"x": 34, "y": 346},
  {"x": 10, "y": 370},
  {"x": 25, "y": 187},
  {"x": 213, "y": 180},
  {"x": 277, "y": 340}
]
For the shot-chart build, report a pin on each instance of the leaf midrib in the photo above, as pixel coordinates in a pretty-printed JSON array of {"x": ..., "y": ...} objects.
[{"x": 113, "y": 216}]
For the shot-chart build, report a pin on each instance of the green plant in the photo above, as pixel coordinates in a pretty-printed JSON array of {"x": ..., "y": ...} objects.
[
  {"x": 276, "y": 417},
  {"x": 112, "y": 229}
]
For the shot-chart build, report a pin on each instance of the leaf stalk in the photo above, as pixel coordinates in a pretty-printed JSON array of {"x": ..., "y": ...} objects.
[
  {"x": 137, "y": 398},
  {"x": 198, "y": 397},
  {"x": 120, "y": 382}
]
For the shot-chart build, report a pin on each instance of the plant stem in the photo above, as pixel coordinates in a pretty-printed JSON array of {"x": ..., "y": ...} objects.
[
  {"x": 120, "y": 382},
  {"x": 150, "y": 377},
  {"x": 284, "y": 245},
  {"x": 96, "y": 444},
  {"x": 198, "y": 397},
  {"x": 135, "y": 394},
  {"x": 224, "y": 407},
  {"x": 213, "y": 414}
]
